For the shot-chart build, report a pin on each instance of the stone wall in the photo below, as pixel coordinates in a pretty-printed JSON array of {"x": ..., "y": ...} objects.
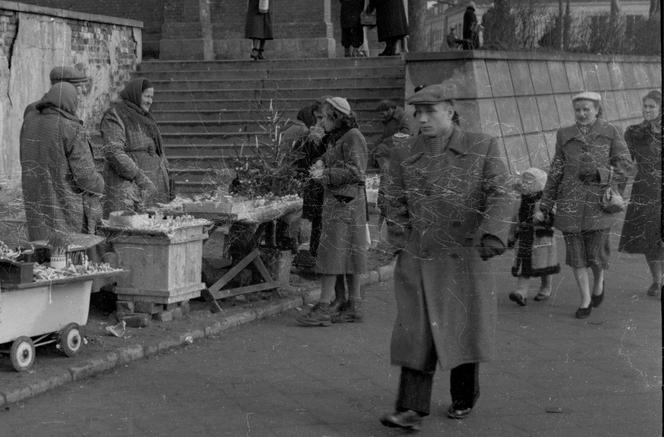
[
  {"x": 523, "y": 98},
  {"x": 35, "y": 39}
]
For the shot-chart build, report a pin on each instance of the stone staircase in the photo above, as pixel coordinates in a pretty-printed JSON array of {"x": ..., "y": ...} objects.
[{"x": 209, "y": 111}]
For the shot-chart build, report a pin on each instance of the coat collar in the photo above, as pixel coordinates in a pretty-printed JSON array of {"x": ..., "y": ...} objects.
[
  {"x": 456, "y": 144},
  {"x": 601, "y": 128}
]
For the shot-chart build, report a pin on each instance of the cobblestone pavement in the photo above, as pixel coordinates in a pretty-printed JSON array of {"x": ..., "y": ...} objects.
[{"x": 553, "y": 376}]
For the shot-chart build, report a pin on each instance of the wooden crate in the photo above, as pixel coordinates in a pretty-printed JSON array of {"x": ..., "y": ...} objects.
[{"x": 165, "y": 268}]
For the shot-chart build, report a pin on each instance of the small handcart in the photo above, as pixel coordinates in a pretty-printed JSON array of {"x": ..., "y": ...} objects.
[{"x": 38, "y": 313}]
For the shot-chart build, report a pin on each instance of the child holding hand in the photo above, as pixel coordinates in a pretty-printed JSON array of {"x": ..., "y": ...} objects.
[{"x": 531, "y": 227}]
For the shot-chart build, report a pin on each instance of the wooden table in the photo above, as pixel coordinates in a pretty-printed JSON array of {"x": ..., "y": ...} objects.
[{"x": 258, "y": 219}]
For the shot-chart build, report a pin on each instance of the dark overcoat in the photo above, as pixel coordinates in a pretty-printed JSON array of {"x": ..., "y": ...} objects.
[
  {"x": 129, "y": 152},
  {"x": 390, "y": 19},
  {"x": 439, "y": 207},
  {"x": 578, "y": 202},
  {"x": 257, "y": 25},
  {"x": 642, "y": 231},
  {"x": 343, "y": 242},
  {"x": 350, "y": 13},
  {"x": 57, "y": 171}
]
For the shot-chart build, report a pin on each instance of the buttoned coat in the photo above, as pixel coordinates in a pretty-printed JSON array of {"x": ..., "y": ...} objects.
[
  {"x": 257, "y": 25},
  {"x": 343, "y": 242},
  {"x": 439, "y": 207},
  {"x": 578, "y": 202}
]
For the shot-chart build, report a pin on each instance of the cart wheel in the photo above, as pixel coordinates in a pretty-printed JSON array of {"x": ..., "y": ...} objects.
[
  {"x": 22, "y": 354},
  {"x": 70, "y": 339}
]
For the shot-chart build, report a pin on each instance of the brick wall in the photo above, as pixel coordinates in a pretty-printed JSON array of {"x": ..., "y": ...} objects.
[
  {"x": 32, "y": 41},
  {"x": 524, "y": 98}
]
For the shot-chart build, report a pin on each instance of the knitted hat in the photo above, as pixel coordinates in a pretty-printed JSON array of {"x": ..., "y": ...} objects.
[
  {"x": 340, "y": 104},
  {"x": 540, "y": 178}
]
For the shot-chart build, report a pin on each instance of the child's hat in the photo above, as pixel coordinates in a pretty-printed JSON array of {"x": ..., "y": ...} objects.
[{"x": 539, "y": 175}]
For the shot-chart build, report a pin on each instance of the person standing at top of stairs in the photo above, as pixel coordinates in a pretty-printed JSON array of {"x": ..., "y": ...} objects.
[{"x": 258, "y": 26}]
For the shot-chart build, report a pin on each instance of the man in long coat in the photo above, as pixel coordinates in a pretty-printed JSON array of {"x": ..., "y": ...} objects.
[{"x": 448, "y": 213}]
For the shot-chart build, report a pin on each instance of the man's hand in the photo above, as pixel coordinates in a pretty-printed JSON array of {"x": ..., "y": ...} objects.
[{"x": 490, "y": 246}]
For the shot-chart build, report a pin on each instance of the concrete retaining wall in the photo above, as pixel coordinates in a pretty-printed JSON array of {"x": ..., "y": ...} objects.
[
  {"x": 35, "y": 39},
  {"x": 523, "y": 98}
]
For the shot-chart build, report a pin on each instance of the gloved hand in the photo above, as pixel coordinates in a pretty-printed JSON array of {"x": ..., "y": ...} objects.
[
  {"x": 588, "y": 171},
  {"x": 490, "y": 246}
]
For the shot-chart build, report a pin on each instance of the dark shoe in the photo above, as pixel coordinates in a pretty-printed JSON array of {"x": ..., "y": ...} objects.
[
  {"x": 408, "y": 419},
  {"x": 320, "y": 315},
  {"x": 582, "y": 313},
  {"x": 254, "y": 54},
  {"x": 260, "y": 54},
  {"x": 350, "y": 312},
  {"x": 652, "y": 291},
  {"x": 336, "y": 306},
  {"x": 596, "y": 299},
  {"x": 458, "y": 412},
  {"x": 516, "y": 297}
]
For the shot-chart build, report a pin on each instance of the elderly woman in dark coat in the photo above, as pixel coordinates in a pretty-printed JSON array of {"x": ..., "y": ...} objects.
[
  {"x": 136, "y": 169},
  {"x": 344, "y": 244},
  {"x": 352, "y": 33},
  {"x": 391, "y": 22},
  {"x": 589, "y": 155},
  {"x": 58, "y": 170},
  {"x": 642, "y": 230},
  {"x": 258, "y": 27}
]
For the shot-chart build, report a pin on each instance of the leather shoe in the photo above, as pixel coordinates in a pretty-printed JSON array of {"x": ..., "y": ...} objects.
[
  {"x": 518, "y": 298},
  {"x": 652, "y": 291},
  {"x": 457, "y": 412},
  {"x": 582, "y": 313},
  {"x": 409, "y": 419},
  {"x": 596, "y": 299}
]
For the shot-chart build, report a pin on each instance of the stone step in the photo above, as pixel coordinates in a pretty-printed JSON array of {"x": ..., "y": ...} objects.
[
  {"x": 233, "y": 126},
  {"x": 171, "y": 115},
  {"x": 261, "y": 95},
  {"x": 218, "y": 149},
  {"x": 295, "y": 103},
  {"x": 162, "y": 86},
  {"x": 282, "y": 73},
  {"x": 271, "y": 64}
]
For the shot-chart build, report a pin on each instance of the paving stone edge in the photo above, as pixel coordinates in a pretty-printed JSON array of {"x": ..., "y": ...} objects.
[{"x": 106, "y": 361}]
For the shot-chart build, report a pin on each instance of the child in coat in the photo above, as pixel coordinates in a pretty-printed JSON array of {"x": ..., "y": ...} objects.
[{"x": 527, "y": 223}]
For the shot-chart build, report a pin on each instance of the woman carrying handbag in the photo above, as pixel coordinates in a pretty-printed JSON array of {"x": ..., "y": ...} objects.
[{"x": 258, "y": 26}]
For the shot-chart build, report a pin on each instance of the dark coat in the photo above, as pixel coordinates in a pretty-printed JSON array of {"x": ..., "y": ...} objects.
[
  {"x": 390, "y": 19},
  {"x": 578, "y": 202},
  {"x": 642, "y": 231},
  {"x": 350, "y": 13},
  {"x": 129, "y": 152},
  {"x": 258, "y": 26},
  {"x": 58, "y": 171},
  {"x": 469, "y": 23},
  {"x": 439, "y": 207},
  {"x": 343, "y": 244}
]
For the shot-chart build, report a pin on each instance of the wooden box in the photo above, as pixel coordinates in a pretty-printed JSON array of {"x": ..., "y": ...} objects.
[{"x": 164, "y": 268}]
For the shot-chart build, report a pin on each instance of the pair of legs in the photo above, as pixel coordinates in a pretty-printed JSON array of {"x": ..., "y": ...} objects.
[
  {"x": 339, "y": 310},
  {"x": 588, "y": 252},
  {"x": 257, "y": 47},
  {"x": 352, "y": 39},
  {"x": 655, "y": 260},
  {"x": 391, "y": 46},
  {"x": 544, "y": 291}
]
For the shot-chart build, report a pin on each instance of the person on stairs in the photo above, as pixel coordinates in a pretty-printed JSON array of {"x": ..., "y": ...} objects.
[
  {"x": 352, "y": 33},
  {"x": 391, "y": 22},
  {"x": 258, "y": 26}
]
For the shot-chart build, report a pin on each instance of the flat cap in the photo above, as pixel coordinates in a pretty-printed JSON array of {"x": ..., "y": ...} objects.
[
  {"x": 67, "y": 74},
  {"x": 340, "y": 104},
  {"x": 432, "y": 94},
  {"x": 587, "y": 95}
]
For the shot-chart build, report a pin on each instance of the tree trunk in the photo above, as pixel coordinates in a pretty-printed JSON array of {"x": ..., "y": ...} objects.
[{"x": 417, "y": 40}]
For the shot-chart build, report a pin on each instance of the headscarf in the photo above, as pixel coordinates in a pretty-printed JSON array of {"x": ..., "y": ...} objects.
[
  {"x": 133, "y": 116},
  {"x": 63, "y": 97}
]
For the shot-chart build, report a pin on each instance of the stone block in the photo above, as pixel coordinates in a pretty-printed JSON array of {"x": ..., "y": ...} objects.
[
  {"x": 565, "y": 109},
  {"x": 213, "y": 329},
  {"x": 130, "y": 353},
  {"x": 609, "y": 106},
  {"x": 590, "y": 75},
  {"x": 508, "y": 115},
  {"x": 621, "y": 103},
  {"x": 164, "y": 316},
  {"x": 530, "y": 117},
  {"x": 16, "y": 395},
  {"x": 628, "y": 75},
  {"x": 616, "y": 75},
  {"x": 574, "y": 77},
  {"x": 147, "y": 307},
  {"x": 521, "y": 80},
  {"x": 177, "y": 313},
  {"x": 186, "y": 307},
  {"x": 94, "y": 366},
  {"x": 481, "y": 75},
  {"x": 124, "y": 307},
  {"x": 517, "y": 153},
  {"x": 654, "y": 70},
  {"x": 499, "y": 77},
  {"x": 641, "y": 76},
  {"x": 168, "y": 343},
  {"x": 537, "y": 150},
  {"x": 548, "y": 112},
  {"x": 135, "y": 320},
  {"x": 634, "y": 103},
  {"x": 603, "y": 76},
  {"x": 558, "y": 76},
  {"x": 489, "y": 123},
  {"x": 539, "y": 71}
]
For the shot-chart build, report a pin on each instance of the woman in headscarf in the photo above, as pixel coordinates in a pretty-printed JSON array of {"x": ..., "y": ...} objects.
[
  {"x": 136, "y": 169},
  {"x": 258, "y": 27},
  {"x": 590, "y": 155},
  {"x": 58, "y": 171},
  {"x": 642, "y": 231}
]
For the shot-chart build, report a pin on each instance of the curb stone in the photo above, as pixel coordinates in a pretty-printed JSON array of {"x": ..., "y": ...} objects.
[{"x": 126, "y": 354}]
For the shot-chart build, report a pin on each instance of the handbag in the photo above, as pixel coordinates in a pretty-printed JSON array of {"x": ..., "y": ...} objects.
[
  {"x": 544, "y": 257},
  {"x": 368, "y": 20},
  {"x": 612, "y": 201},
  {"x": 263, "y": 6}
]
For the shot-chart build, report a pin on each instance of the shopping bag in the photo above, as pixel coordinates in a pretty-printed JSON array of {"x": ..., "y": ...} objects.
[
  {"x": 263, "y": 6},
  {"x": 544, "y": 257}
]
